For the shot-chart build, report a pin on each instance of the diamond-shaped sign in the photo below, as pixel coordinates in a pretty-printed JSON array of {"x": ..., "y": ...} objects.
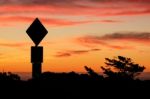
[{"x": 36, "y": 31}]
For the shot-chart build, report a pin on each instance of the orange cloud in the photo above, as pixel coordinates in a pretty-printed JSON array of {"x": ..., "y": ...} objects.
[
  {"x": 90, "y": 41},
  {"x": 62, "y": 54},
  {"x": 74, "y": 52},
  {"x": 139, "y": 37},
  {"x": 17, "y": 44},
  {"x": 93, "y": 41},
  {"x": 12, "y": 44},
  {"x": 111, "y": 21},
  {"x": 1, "y": 54}
]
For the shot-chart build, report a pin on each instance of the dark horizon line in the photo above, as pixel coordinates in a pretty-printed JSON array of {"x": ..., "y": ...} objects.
[{"x": 28, "y": 75}]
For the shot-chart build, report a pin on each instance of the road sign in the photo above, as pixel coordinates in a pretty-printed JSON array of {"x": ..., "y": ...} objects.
[{"x": 36, "y": 31}]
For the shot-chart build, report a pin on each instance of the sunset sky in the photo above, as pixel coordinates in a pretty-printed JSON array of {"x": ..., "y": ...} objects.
[{"x": 80, "y": 32}]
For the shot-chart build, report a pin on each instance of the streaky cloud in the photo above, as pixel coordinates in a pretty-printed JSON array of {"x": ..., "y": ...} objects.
[
  {"x": 109, "y": 40},
  {"x": 128, "y": 35},
  {"x": 65, "y": 2},
  {"x": 76, "y": 7},
  {"x": 49, "y": 21},
  {"x": 68, "y": 53}
]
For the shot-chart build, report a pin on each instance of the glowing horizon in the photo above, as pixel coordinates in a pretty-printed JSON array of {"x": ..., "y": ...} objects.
[{"x": 81, "y": 32}]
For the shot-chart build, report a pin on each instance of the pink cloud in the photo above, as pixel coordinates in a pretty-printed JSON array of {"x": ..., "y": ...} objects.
[
  {"x": 6, "y": 21},
  {"x": 77, "y": 7},
  {"x": 44, "y": 20},
  {"x": 14, "y": 11}
]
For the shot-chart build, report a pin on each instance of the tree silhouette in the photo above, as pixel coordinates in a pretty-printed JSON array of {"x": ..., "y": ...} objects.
[
  {"x": 93, "y": 74},
  {"x": 122, "y": 68}
]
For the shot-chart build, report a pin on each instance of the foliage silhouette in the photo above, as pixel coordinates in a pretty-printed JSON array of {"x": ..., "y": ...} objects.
[
  {"x": 9, "y": 77},
  {"x": 71, "y": 76},
  {"x": 122, "y": 68},
  {"x": 93, "y": 74}
]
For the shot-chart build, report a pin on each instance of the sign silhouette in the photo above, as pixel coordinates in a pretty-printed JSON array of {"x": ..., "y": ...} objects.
[{"x": 36, "y": 31}]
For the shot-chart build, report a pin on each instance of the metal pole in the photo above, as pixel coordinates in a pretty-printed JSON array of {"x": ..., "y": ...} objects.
[{"x": 36, "y": 70}]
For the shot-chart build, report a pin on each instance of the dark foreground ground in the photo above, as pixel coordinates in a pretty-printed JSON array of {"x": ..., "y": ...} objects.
[
  {"x": 74, "y": 89},
  {"x": 72, "y": 86}
]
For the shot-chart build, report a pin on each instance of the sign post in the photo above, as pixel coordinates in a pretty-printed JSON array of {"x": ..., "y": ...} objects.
[{"x": 36, "y": 32}]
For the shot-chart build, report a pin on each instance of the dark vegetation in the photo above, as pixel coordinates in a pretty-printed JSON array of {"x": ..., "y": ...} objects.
[{"x": 120, "y": 78}]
